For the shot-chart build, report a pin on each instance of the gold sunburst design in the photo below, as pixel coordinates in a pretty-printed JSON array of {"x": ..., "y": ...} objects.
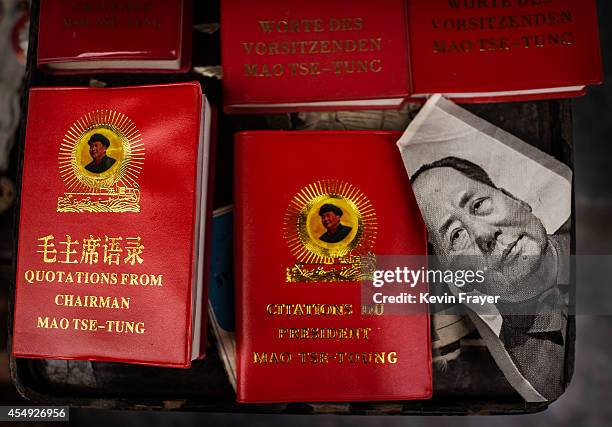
[
  {"x": 107, "y": 184},
  {"x": 311, "y": 240}
]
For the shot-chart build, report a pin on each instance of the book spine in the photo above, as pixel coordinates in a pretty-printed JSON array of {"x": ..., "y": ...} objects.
[
  {"x": 209, "y": 224},
  {"x": 186, "y": 38},
  {"x": 239, "y": 277},
  {"x": 409, "y": 58}
]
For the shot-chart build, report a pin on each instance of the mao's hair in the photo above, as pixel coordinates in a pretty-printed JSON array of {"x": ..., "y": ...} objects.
[
  {"x": 100, "y": 138},
  {"x": 465, "y": 167},
  {"x": 328, "y": 207}
]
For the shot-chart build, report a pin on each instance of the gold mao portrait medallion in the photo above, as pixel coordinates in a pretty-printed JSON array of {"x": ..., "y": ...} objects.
[
  {"x": 100, "y": 160},
  {"x": 329, "y": 226}
]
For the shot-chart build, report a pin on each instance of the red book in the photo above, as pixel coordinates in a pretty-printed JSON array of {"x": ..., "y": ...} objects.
[
  {"x": 506, "y": 50},
  {"x": 290, "y": 55},
  {"x": 113, "y": 213},
  {"x": 107, "y": 36},
  {"x": 309, "y": 223}
]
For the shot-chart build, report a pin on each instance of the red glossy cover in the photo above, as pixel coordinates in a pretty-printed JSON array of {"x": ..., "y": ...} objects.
[
  {"x": 503, "y": 45},
  {"x": 282, "y": 180},
  {"x": 152, "y": 30},
  {"x": 282, "y": 53},
  {"x": 123, "y": 231},
  {"x": 288, "y": 51}
]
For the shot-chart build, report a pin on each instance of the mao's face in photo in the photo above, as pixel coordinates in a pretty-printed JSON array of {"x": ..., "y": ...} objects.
[
  {"x": 330, "y": 220},
  {"x": 474, "y": 225},
  {"x": 97, "y": 151}
]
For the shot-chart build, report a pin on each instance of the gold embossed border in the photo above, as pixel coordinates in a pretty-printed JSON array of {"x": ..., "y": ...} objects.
[
  {"x": 296, "y": 228},
  {"x": 112, "y": 190},
  {"x": 132, "y": 148}
]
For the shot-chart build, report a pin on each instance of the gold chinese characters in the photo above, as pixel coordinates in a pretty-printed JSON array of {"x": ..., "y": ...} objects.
[{"x": 114, "y": 250}]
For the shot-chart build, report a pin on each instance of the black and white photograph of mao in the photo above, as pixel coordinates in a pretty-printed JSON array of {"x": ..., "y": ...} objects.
[{"x": 494, "y": 203}]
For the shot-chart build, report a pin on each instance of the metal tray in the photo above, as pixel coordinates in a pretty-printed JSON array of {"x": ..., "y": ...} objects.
[{"x": 471, "y": 384}]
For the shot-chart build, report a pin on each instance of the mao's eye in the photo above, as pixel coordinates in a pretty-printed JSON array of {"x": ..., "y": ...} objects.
[
  {"x": 459, "y": 239},
  {"x": 482, "y": 206}
]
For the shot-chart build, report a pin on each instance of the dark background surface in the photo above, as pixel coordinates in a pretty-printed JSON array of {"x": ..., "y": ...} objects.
[{"x": 587, "y": 402}]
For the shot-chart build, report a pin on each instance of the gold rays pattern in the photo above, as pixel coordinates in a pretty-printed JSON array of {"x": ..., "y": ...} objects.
[
  {"x": 127, "y": 147},
  {"x": 303, "y": 205}
]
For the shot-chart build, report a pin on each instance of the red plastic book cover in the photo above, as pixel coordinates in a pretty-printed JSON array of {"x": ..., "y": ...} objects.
[
  {"x": 345, "y": 53},
  {"x": 477, "y": 47},
  {"x": 108, "y": 210},
  {"x": 314, "y": 211},
  {"x": 135, "y": 32}
]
